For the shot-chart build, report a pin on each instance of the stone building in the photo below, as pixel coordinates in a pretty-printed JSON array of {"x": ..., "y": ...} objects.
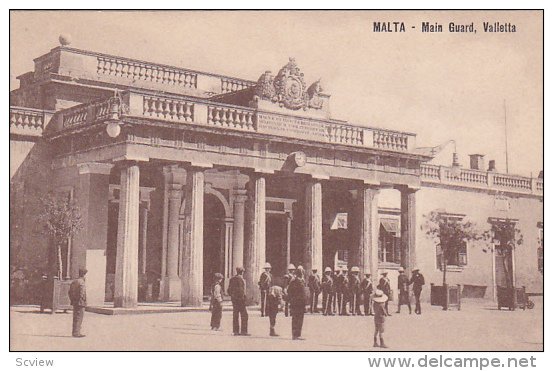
[{"x": 179, "y": 174}]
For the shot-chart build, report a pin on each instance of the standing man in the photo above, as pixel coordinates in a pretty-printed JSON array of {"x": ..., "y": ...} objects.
[
  {"x": 355, "y": 292},
  {"x": 265, "y": 282},
  {"x": 216, "y": 304},
  {"x": 403, "y": 288},
  {"x": 77, "y": 296},
  {"x": 237, "y": 292},
  {"x": 335, "y": 307},
  {"x": 345, "y": 292},
  {"x": 367, "y": 290},
  {"x": 288, "y": 277},
  {"x": 296, "y": 295},
  {"x": 417, "y": 279},
  {"x": 314, "y": 285},
  {"x": 328, "y": 292},
  {"x": 384, "y": 285},
  {"x": 379, "y": 317}
]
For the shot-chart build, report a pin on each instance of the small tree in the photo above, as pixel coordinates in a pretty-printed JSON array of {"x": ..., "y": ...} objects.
[
  {"x": 62, "y": 220},
  {"x": 505, "y": 236},
  {"x": 449, "y": 233}
]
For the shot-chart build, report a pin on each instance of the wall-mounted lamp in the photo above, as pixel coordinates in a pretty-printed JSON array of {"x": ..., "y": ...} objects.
[{"x": 116, "y": 104}]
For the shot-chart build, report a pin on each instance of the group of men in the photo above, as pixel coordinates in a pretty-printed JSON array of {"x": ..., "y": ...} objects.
[{"x": 344, "y": 292}]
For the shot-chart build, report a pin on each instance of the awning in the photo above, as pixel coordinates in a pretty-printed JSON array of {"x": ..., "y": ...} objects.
[{"x": 390, "y": 225}]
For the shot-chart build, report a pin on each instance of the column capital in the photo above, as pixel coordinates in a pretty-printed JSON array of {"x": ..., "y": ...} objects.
[
  {"x": 131, "y": 157},
  {"x": 407, "y": 188},
  {"x": 319, "y": 176},
  {"x": 94, "y": 168}
]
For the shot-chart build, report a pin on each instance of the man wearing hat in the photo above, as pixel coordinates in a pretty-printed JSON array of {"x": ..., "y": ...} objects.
[
  {"x": 314, "y": 285},
  {"x": 417, "y": 279},
  {"x": 367, "y": 290},
  {"x": 288, "y": 277},
  {"x": 384, "y": 285},
  {"x": 403, "y": 288},
  {"x": 380, "y": 315},
  {"x": 216, "y": 304},
  {"x": 296, "y": 297},
  {"x": 264, "y": 283},
  {"x": 237, "y": 292},
  {"x": 328, "y": 292},
  {"x": 335, "y": 308},
  {"x": 77, "y": 296},
  {"x": 342, "y": 290},
  {"x": 355, "y": 292}
]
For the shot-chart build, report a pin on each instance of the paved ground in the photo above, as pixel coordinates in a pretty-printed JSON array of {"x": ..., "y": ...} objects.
[{"x": 478, "y": 326}]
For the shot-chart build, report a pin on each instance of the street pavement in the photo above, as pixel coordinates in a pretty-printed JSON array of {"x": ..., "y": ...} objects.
[{"x": 479, "y": 326}]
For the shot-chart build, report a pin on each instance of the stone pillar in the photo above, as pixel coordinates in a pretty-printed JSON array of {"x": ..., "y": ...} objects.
[
  {"x": 144, "y": 238},
  {"x": 88, "y": 248},
  {"x": 408, "y": 228},
  {"x": 238, "y": 231},
  {"x": 288, "y": 216},
  {"x": 228, "y": 236},
  {"x": 193, "y": 255},
  {"x": 365, "y": 253},
  {"x": 126, "y": 270},
  {"x": 254, "y": 255},
  {"x": 313, "y": 257}
]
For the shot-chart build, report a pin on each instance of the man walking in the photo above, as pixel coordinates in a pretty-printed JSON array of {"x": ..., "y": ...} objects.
[
  {"x": 314, "y": 285},
  {"x": 367, "y": 290},
  {"x": 237, "y": 292},
  {"x": 77, "y": 296},
  {"x": 355, "y": 292},
  {"x": 265, "y": 282},
  {"x": 328, "y": 292},
  {"x": 296, "y": 294},
  {"x": 403, "y": 288},
  {"x": 417, "y": 280},
  {"x": 384, "y": 285}
]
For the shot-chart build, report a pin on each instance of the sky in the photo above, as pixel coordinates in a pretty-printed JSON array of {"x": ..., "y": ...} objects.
[{"x": 441, "y": 86}]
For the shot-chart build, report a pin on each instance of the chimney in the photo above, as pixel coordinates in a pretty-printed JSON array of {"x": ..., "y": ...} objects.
[
  {"x": 476, "y": 162},
  {"x": 491, "y": 165}
]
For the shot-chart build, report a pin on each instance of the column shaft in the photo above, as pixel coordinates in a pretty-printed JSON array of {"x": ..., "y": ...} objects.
[
  {"x": 254, "y": 256},
  {"x": 408, "y": 228},
  {"x": 313, "y": 257},
  {"x": 366, "y": 253},
  {"x": 238, "y": 234},
  {"x": 192, "y": 257},
  {"x": 126, "y": 270}
]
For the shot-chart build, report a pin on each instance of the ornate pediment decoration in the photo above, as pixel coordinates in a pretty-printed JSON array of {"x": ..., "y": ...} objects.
[{"x": 288, "y": 89}]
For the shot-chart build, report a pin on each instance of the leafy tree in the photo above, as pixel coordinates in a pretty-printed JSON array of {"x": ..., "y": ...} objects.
[
  {"x": 62, "y": 220},
  {"x": 449, "y": 233}
]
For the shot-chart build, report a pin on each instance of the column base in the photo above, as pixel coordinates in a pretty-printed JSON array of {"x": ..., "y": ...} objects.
[{"x": 170, "y": 289}]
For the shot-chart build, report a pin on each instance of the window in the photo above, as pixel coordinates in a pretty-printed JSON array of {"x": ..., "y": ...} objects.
[
  {"x": 389, "y": 242},
  {"x": 456, "y": 255}
]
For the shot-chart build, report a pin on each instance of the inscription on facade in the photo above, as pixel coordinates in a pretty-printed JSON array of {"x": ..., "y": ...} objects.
[{"x": 291, "y": 127}]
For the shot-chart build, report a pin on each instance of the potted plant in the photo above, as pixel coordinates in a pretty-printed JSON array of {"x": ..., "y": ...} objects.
[
  {"x": 61, "y": 220},
  {"x": 450, "y": 233}
]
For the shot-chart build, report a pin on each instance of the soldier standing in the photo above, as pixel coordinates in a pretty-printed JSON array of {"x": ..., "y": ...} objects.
[
  {"x": 417, "y": 279},
  {"x": 328, "y": 292},
  {"x": 403, "y": 288},
  {"x": 314, "y": 285},
  {"x": 384, "y": 285},
  {"x": 367, "y": 290},
  {"x": 355, "y": 292},
  {"x": 287, "y": 279},
  {"x": 264, "y": 283},
  {"x": 335, "y": 307},
  {"x": 77, "y": 296},
  {"x": 216, "y": 302},
  {"x": 296, "y": 294},
  {"x": 345, "y": 292},
  {"x": 237, "y": 292}
]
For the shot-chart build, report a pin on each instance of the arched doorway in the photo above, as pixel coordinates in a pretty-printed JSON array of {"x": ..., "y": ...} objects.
[{"x": 214, "y": 240}]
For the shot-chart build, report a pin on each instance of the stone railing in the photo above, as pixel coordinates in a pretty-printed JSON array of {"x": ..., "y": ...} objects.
[
  {"x": 27, "y": 121},
  {"x": 233, "y": 118},
  {"x": 345, "y": 134},
  {"x": 136, "y": 70},
  {"x": 168, "y": 109},
  {"x": 229, "y": 85},
  {"x": 481, "y": 179},
  {"x": 86, "y": 113}
]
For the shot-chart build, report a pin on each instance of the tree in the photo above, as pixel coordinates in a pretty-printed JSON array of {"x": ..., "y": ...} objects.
[
  {"x": 505, "y": 236},
  {"x": 62, "y": 220},
  {"x": 449, "y": 232}
]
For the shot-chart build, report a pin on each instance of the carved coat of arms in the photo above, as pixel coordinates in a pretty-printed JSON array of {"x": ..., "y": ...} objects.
[{"x": 288, "y": 88}]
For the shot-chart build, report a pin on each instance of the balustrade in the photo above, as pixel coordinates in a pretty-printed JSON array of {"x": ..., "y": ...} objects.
[
  {"x": 231, "y": 85},
  {"x": 26, "y": 118},
  {"x": 390, "y": 140},
  {"x": 168, "y": 109},
  {"x": 231, "y": 118},
  {"x": 345, "y": 134}
]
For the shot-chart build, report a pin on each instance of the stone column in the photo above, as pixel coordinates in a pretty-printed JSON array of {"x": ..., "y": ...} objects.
[
  {"x": 254, "y": 255},
  {"x": 365, "y": 253},
  {"x": 313, "y": 257},
  {"x": 192, "y": 257},
  {"x": 88, "y": 248},
  {"x": 172, "y": 282},
  {"x": 408, "y": 227},
  {"x": 126, "y": 270},
  {"x": 228, "y": 236},
  {"x": 144, "y": 238},
  {"x": 238, "y": 231}
]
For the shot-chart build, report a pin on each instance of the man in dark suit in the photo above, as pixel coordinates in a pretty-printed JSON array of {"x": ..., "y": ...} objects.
[
  {"x": 296, "y": 294},
  {"x": 328, "y": 292},
  {"x": 314, "y": 285},
  {"x": 265, "y": 283},
  {"x": 237, "y": 292},
  {"x": 384, "y": 285},
  {"x": 77, "y": 296},
  {"x": 417, "y": 280}
]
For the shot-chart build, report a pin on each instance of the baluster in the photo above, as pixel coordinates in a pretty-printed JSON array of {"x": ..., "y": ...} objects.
[
  {"x": 188, "y": 112},
  {"x": 100, "y": 66}
]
